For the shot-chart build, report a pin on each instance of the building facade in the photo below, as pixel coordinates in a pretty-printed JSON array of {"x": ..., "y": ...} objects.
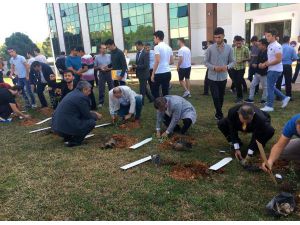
[{"x": 90, "y": 24}]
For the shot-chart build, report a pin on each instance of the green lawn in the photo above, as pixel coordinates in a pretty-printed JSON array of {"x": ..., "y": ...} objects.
[{"x": 40, "y": 179}]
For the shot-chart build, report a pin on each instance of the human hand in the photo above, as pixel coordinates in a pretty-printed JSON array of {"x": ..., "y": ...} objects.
[
  {"x": 254, "y": 65},
  {"x": 164, "y": 134},
  {"x": 128, "y": 116},
  {"x": 158, "y": 134},
  {"x": 26, "y": 116},
  {"x": 114, "y": 119},
  {"x": 265, "y": 168},
  {"x": 27, "y": 78},
  {"x": 238, "y": 154},
  {"x": 98, "y": 115},
  {"x": 152, "y": 78}
]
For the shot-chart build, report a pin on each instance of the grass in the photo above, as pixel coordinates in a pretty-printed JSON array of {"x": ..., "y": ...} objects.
[{"x": 40, "y": 179}]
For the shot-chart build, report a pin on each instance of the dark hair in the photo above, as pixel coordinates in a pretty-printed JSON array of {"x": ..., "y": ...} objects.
[
  {"x": 29, "y": 53},
  {"x": 62, "y": 53},
  {"x": 37, "y": 50},
  {"x": 109, "y": 42},
  {"x": 225, "y": 40},
  {"x": 211, "y": 42},
  {"x": 35, "y": 64},
  {"x": 69, "y": 71},
  {"x": 286, "y": 39},
  {"x": 246, "y": 111},
  {"x": 254, "y": 38},
  {"x": 181, "y": 40},
  {"x": 238, "y": 38},
  {"x": 15, "y": 88},
  {"x": 159, "y": 34},
  {"x": 80, "y": 49},
  {"x": 218, "y": 31},
  {"x": 148, "y": 44},
  {"x": 272, "y": 31},
  {"x": 264, "y": 42},
  {"x": 73, "y": 48},
  {"x": 139, "y": 43},
  {"x": 11, "y": 48},
  {"x": 159, "y": 102}
]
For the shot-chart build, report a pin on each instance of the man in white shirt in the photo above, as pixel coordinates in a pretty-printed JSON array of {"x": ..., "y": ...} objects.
[
  {"x": 30, "y": 57},
  {"x": 161, "y": 74},
  {"x": 184, "y": 67},
  {"x": 39, "y": 57},
  {"x": 275, "y": 69}
]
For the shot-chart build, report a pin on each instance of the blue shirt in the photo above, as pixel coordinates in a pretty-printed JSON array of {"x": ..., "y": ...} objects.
[
  {"x": 151, "y": 59},
  {"x": 289, "y": 129},
  {"x": 20, "y": 68},
  {"x": 288, "y": 54},
  {"x": 74, "y": 62}
]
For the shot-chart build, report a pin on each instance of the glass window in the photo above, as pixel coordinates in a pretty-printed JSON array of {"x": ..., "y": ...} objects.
[
  {"x": 137, "y": 24},
  {"x": 255, "y": 6},
  {"x": 99, "y": 23},
  {"x": 178, "y": 23},
  {"x": 53, "y": 29}
]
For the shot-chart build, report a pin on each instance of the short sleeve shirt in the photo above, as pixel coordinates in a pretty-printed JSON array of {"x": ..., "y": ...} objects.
[
  {"x": 20, "y": 68},
  {"x": 102, "y": 60},
  {"x": 6, "y": 97},
  {"x": 273, "y": 49},
  {"x": 289, "y": 129},
  {"x": 185, "y": 53},
  {"x": 165, "y": 53}
]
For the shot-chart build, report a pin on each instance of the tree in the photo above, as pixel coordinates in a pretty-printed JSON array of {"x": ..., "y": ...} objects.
[
  {"x": 45, "y": 48},
  {"x": 21, "y": 42},
  {"x": 3, "y": 52}
]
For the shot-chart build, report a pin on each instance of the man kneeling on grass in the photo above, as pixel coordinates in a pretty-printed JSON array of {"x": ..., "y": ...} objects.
[
  {"x": 170, "y": 110},
  {"x": 72, "y": 118},
  {"x": 8, "y": 103},
  {"x": 286, "y": 147},
  {"x": 248, "y": 119},
  {"x": 125, "y": 103}
]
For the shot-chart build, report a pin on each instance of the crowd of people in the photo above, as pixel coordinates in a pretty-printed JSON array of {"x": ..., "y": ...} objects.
[{"x": 75, "y": 104}]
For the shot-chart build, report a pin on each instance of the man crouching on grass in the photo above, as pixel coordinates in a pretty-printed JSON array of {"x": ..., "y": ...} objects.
[
  {"x": 170, "y": 110},
  {"x": 72, "y": 118},
  {"x": 125, "y": 103},
  {"x": 286, "y": 148}
]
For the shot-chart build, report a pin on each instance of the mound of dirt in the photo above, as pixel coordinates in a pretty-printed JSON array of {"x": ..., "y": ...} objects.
[
  {"x": 28, "y": 122},
  {"x": 130, "y": 125},
  {"x": 170, "y": 143},
  {"x": 46, "y": 111},
  {"x": 189, "y": 171},
  {"x": 124, "y": 141},
  {"x": 281, "y": 165}
]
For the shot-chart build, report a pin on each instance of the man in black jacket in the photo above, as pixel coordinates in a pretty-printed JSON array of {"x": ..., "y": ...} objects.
[
  {"x": 118, "y": 63},
  {"x": 72, "y": 118},
  {"x": 40, "y": 76},
  {"x": 142, "y": 70},
  {"x": 247, "y": 119}
]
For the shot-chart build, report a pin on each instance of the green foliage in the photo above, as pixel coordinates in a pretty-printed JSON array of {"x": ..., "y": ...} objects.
[{"x": 21, "y": 42}]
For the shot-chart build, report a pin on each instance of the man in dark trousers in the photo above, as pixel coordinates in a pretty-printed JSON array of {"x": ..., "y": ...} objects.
[
  {"x": 40, "y": 76},
  {"x": 218, "y": 60},
  {"x": 142, "y": 70},
  {"x": 60, "y": 63},
  {"x": 247, "y": 119},
  {"x": 72, "y": 118},
  {"x": 118, "y": 63}
]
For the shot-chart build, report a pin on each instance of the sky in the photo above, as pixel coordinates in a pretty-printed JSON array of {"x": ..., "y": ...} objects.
[{"x": 26, "y": 17}]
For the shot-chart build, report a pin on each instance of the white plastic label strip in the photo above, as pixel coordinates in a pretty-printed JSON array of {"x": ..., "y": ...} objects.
[
  {"x": 43, "y": 121},
  {"x": 89, "y": 135},
  {"x": 220, "y": 164},
  {"x": 130, "y": 165},
  {"x": 42, "y": 129},
  {"x": 102, "y": 125},
  {"x": 141, "y": 143}
]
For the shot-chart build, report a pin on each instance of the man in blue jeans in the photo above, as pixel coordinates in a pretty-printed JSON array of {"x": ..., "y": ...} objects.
[
  {"x": 275, "y": 69},
  {"x": 125, "y": 103},
  {"x": 20, "y": 67}
]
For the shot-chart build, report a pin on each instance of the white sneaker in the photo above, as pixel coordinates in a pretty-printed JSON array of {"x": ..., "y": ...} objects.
[
  {"x": 189, "y": 96},
  {"x": 185, "y": 94},
  {"x": 100, "y": 105},
  {"x": 285, "y": 102},
  {"x": 34, "y": 106},
  {"x": 267, "y": 109}
]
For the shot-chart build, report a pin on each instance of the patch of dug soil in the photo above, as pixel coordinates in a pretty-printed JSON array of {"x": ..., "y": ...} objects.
[
  {"x": 46, "y": 111},
  {"x": 124, "y": 141},
  {"x": 29, "y": 122},
  {"x": 281, "y": 165},
  {"x": 169, "y": 143},
  {"x": 130, "y": 125},
  {"x": 189, "y": 171}
]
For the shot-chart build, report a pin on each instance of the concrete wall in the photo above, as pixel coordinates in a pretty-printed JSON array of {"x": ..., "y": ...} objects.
[
  {"x": 161, "y": 19},
  {"x": 59, "y": 27},
  {"x": 84, "y": 27},
  {"x": 117, "y": 25},
  {"x": 225, "y": 20}
]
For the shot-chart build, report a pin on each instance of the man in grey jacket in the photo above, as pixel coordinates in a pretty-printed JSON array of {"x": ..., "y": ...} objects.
[
  {"x": 170, "y": 110},
  {"x": 218, "y": 59}
]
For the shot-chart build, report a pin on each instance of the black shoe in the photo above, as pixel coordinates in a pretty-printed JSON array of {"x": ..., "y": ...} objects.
[
  {"x": 218, "y": 117},
  {"x": 262, "y": 102},
  {"x": 249, "y": 100},
  {"x": 72, "y": 144},
  {"x": 206, "y": 94}
]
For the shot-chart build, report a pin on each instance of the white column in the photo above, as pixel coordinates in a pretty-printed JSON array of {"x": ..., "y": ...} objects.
[
  {"x": 84, "y": 28},
  {"x": 224, "y": 20},
  {"x": 59, "y": 27},
  {"x": 117, "y": 25},
  {"x": 161, "y": 19},
  {"x": 198, "y": 28}
]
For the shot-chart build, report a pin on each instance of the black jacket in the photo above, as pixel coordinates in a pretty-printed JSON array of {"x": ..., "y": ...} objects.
[
  {"x": 36, "y": 77},
  {"x": 142, "y": 65},
  {"x": 118, "y": 61},
  {"x": 60, "y": 64},
  {"x": 72, "y": 116},
  {"x": 262, "y": 58}
]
